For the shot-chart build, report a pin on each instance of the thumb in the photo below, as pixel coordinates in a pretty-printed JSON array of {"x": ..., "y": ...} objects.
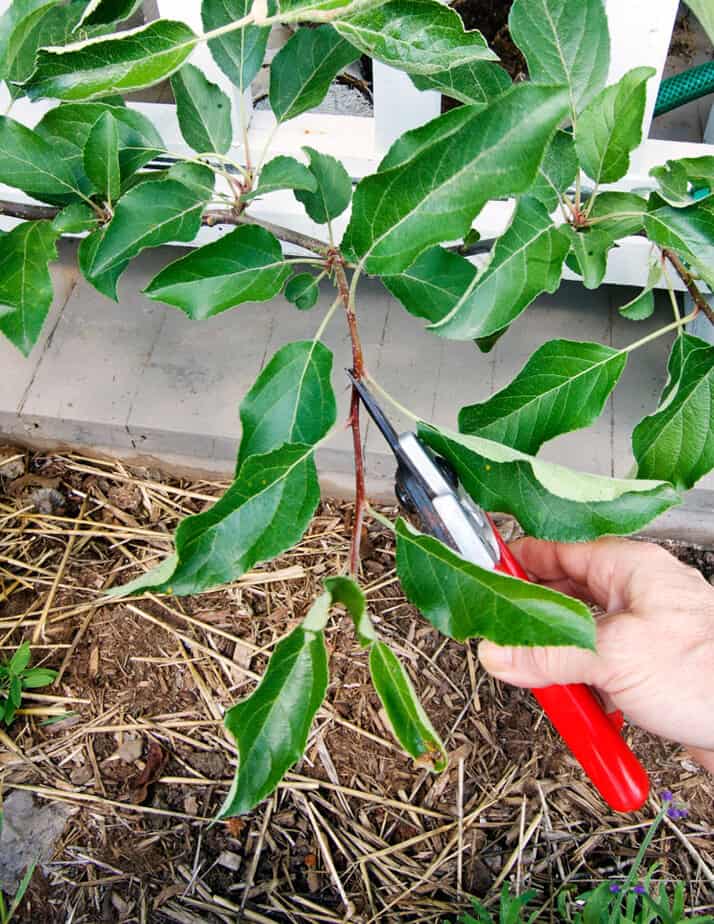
[{"x": 540, "y": 667}]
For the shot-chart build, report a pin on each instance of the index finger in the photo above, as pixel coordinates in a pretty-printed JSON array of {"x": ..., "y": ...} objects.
[{"x": 609, "y": 569}]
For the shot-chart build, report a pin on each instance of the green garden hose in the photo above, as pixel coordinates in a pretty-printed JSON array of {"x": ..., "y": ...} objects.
[{"x": 685, "y": 87}]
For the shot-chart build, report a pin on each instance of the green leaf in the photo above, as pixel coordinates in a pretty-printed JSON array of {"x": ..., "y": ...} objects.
[
  {"x": 299, "y": 10},
  {"x": 16, "y": 25},
  {"x": 68, "y": 125},
  {"x": 433, "y": 284},
  {"x": 25, "y": 281},
  {"x": 473, "y": 83},
  {"x": 639, "y": 308},
  {"x": 334, "y": 188},
  {"x": 29, "y": 163},
  {"x": 611, "y": 126},
  {"x": 550, "y": 501},
  {"x": 271, "y": 726},
  {"x": 409, "y": 721},
  {"x": 486, "y": 344},
  {"x": 417, "y": 36},
  {"x": 565, "y": 42},
  {"x": 97, "y": 67},
  {"x": 588, "y": 253},
  {"x": 303, "y": 291},
  {"x": 642, "y": 306},
  {"x": 15, "y": 693},
  {"x": 239, "y": 54},
  {"x": 20, "y": 659},
  {"x": 38, "y": 677},
  {"x": 104, "y": 12},
  {"x": 246, "y": 265},
  {"x": 154, "y": 213},
  {"x": 283, "y": 172},
  {"x": 292, "y": 400},
  {"x": 101, "y": 157},
  {"x": 203, "y": 110},
  {"x": 689, "y": 232},
  {"x": 618, "y": 214},
  {"x": 55, "y": 27},
  {"x": 564, "y": 386},
  {"x": 264, "y": 512},
  {"x": 304, "y": 68},
  {"x": 7, "y": 711},
  {"x": 677, "y": 176},
  {"x": 673, "y": 184},
  {"x": 105, "y": 282},
  {"x": 75, "y": 218},
  {"x": 676, "y": 443},
  {"x": 344, "y": 590},
  {"x": 526, "y": 260},
  {"x": 463, "y": 600},
  {"x": 430, "y": 187},
  {"x": 683, "y": 345},
  {"x": 557, "y": 172}
]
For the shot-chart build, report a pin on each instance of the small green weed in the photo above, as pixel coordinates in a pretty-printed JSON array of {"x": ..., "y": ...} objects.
[
  {"x": 15, "y": 676},
  {"x": 612, "y": 902},
  {"x": 8, "y": 912}
]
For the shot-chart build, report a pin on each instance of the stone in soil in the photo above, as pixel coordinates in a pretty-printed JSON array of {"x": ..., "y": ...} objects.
[{"x": 30, "y": 831}]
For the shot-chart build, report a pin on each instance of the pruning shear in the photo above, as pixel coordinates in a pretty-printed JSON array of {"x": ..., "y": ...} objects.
[{"x": 428, "y": 487}]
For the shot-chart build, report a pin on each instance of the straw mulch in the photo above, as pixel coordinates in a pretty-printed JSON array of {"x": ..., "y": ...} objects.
[{"x": 131, "y": 735}]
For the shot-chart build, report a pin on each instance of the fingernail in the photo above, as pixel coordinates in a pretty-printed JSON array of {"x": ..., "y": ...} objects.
[{"x": 495, "y": 658}]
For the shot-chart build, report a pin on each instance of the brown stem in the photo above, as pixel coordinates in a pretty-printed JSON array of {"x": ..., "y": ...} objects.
[
  {"x": 680, "y": 269},
  {"x": 229, "y": 217},
  {"x": 31, "y": 212},
  {"x": 360, "y": 492},
  {"x": 358, "y": 369},
  {"x": 28, "y": 211}
]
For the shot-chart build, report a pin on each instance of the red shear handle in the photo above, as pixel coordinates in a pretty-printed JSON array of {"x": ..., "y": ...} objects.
[{"x": 592, "y": 736}]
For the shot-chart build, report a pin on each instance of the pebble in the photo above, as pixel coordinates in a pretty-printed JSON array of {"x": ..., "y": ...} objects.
[
  {"x": 229, "y": 860},
  {"x": 313, "y": 881},
  {"x": 12, "y": 468}
]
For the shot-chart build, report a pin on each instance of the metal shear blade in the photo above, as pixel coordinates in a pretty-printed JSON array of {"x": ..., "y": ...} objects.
[{"x": 427, "y": 486}]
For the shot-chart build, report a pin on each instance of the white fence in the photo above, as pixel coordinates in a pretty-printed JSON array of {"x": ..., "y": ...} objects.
[{"x": 640, "y": 35}]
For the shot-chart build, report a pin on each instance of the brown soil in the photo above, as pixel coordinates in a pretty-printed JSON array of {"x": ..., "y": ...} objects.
[
  {"x": 491, "y": 18},
  {"x": 147, "y": 682}
]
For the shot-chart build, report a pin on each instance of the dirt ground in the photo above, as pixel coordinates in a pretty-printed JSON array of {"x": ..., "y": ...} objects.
[
  {"x": 131, "y": 735},
  {"x": 490, "y": 17}
]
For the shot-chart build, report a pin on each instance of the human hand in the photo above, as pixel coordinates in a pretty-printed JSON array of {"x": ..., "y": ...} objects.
[{"x": 655, "y": 645}]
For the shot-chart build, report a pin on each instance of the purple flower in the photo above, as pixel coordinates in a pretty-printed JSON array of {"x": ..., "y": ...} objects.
[
  {"x": 639, "y": 890},
  {"x": 666, "y": 795},
  {"x": 676, "y": 813},
  {"x": 614, "y": 888}
]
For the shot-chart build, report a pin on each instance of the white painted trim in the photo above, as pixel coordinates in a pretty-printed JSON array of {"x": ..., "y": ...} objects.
[
  {"x": 640, "y": 34},
  {"x": 398, "y": 105}
]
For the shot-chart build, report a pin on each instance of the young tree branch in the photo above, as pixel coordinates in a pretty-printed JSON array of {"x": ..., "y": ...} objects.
[
  {"x": 680, "y": 269},
  {"x": 358, "y": 368},
  {"x": 27, "y": 211},
  {"x": 287, "y": 235}
]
